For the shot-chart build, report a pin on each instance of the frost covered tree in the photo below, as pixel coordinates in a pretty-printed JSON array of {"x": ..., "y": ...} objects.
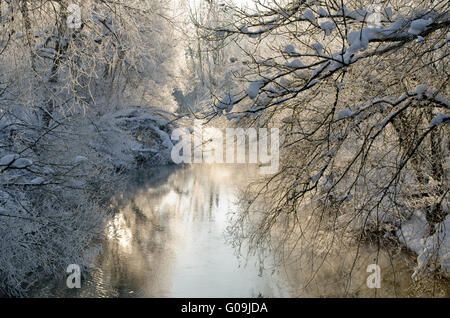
[
  {"x": 66, "y": 81},
  {"x": 360, "y": 90},
  {"x": 209, "y": 64}
]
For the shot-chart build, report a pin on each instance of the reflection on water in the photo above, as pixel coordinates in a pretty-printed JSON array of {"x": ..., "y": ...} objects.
[{"x": 169, "y": 240}]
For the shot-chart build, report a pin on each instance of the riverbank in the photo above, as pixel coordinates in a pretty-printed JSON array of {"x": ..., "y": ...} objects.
[{"x": 54, "y": 200}]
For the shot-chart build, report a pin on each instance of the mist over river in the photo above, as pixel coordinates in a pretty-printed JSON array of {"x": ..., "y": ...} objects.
[{"x": 170, "y": 239}]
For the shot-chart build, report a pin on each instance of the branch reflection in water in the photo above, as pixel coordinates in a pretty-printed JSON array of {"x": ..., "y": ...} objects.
[{"x": 171, "y": 237}]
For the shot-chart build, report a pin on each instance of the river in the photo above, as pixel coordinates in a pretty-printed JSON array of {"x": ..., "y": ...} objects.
[{"x": 169, "y": 239}]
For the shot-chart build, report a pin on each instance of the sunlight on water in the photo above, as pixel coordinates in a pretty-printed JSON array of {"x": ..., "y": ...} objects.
[
  {"x": 170, "y": 199},
  {"x": 169, "y": 240},
  {"x": 117, "y": 230}
]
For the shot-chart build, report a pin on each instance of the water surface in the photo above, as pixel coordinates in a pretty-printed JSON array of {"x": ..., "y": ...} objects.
[{"x": 169, "y": 239}]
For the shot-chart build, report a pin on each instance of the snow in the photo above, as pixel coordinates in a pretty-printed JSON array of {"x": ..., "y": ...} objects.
[
  {"x": 443, "y": 100},
  {"x": 322, "y": 12},
  {"x": 289, "y": 49},
  {"x": 388, "y": 12},
  {"x": 253, "y": 90},
  {"x": 309, "y": 15},
  {"x": 396, "y": 26},
  {"x": 317, "y": 47},
  {"x": 227, "y": 102},
  {"x": 80, "y": 159},
  {"x": 137, "y": 136},
  {"x": 316, "y": 177},
  {"x": 313, "y": 83},
  {"x": 439, "y": 119},
  {"x": 420, "y": 90},
  {"x": 358, "y": 40},
  {"x": 243, "y": 29},
  {"x": 39, "y": 159},
  {"x": 419, "y": 25},
  {"x": 295, "y": 64},
  {"x": 285, "y": 82},
  {"x": 327, "y": 26},
  {"x": 305, "y": 75},
  {"x": 344, "y": 114},
  {"x": 37, "y": 181},
  {"x": 8, "y": 159},
  {"x": 414, "y": 234},
  {"x": 22, "y": 163},
  {"x": 283, "y": 13}
]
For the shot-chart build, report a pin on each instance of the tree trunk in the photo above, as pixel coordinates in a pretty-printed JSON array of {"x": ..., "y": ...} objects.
[
  {"x": 24, "y": 10},
  {"x": 61, "y": 46}
]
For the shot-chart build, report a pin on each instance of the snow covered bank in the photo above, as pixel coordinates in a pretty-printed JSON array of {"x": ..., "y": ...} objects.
[
  {"x": 431, "y": 249},
  {"x": 54, "y": 198},
  {"x": 430, "y": 244},
  {"x": 134, "y": 136}
]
